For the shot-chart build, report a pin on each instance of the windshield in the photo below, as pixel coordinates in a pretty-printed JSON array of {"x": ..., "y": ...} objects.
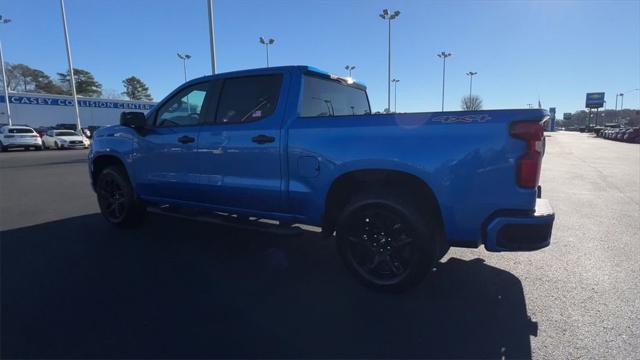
[{"x": 66, "y": 133}]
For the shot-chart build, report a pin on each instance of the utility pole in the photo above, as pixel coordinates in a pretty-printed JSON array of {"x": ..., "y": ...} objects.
[
  {"x": 349, "y": 68},
  {"x": 386, "y": 15},
  {"x": 266, "y": 43},
  {"x": 443, "y": 55},
  {"x": 395, "y": 95},
  {"x": 212, "y": 41},
  {"x": 471, "y": 73},
  {"x": 69, "y": 60},
  {"x": 4, "y": 75},
  {"x": 184, "y": 58}
]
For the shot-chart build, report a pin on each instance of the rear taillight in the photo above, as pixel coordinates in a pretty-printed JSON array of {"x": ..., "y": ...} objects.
[{"x": 528, "y": 165}]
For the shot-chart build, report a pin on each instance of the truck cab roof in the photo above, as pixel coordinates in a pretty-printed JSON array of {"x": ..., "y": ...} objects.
[{"x": 287, "y": 68}]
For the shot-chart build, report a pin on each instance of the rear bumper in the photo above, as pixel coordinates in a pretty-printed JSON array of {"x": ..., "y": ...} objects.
[
  {"x": 521, "y": 232},
  {"x": 23, "y": 144}
]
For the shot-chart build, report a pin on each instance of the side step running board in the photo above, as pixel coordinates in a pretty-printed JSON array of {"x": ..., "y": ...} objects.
[{"x": 229, "y": 220}]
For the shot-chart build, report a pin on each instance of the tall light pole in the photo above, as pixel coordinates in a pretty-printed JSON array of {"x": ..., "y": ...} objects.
[
  {"x": 386, "y": 15},
  {"x": 212, "y": 43},
  {"x": 266, "y": 44},
  {"x": 184, "y": 58},
  {"x": 616, "y": 108},
  {"x": 471, "y": 73},
  {"x": 443, "y": 55},
  {"x": 4, "y": 75},
  {"x": 349, "y": 68},
  {"x": 395, "y": 94},
  {"x": 621, "y": 101},
  {"x": 69, "y": 60}
]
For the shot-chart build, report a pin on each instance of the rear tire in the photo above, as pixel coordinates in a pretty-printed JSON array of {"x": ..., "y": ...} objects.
[
  {"x": 386, "y": 241},
  {"x": 117, "y": 200},
  {"x": 3, "y": 148}
]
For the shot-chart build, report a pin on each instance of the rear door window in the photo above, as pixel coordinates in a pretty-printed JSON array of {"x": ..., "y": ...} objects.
[
  {"x": 247, "y": 99},
  {"x": 325, "y": 97}
]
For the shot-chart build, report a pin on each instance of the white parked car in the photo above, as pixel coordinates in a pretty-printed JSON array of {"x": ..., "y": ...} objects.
[
  {"x": 64, "y": 139},
  {"x": 19, "y": 137}
]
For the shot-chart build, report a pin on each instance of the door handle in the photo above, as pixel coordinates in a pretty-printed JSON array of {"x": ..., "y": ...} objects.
[
  {"x": 186, "y": 139},
  {"x": 263, "y": 139}
]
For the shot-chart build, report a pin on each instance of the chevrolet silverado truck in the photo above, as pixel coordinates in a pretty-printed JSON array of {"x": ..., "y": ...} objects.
[{"x": 276, "y": 147}]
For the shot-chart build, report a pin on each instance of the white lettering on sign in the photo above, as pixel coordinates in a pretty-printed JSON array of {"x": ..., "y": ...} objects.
[{"x": 48, "y": 101}]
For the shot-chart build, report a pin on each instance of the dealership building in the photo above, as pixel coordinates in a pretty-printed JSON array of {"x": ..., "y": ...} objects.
[{"x": 38, "y": 110}]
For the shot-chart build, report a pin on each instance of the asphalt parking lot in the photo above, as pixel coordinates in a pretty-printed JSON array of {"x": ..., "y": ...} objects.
[{"x": 74, "y": 287}]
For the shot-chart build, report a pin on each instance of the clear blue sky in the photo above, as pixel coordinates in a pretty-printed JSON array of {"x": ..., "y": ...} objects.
[{"x": 557, "y": 50}]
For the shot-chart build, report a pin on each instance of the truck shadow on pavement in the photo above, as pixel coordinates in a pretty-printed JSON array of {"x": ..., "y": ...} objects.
[{"x": 181, "y": 289}]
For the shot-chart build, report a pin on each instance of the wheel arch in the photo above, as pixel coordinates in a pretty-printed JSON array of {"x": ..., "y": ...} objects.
[
  {"x": 101, "y": 162},
  {"x": 342, "y": 188}
]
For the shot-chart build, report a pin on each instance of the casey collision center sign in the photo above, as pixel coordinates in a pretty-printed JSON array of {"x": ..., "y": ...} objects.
[{"x": 92, "y": 103}]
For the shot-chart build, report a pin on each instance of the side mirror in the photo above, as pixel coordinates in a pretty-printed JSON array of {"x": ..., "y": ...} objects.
[{"x": 133, "y": 119}]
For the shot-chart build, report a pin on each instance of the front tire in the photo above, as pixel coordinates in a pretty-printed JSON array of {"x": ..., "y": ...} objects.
[
  {"x": 386, "y": 241},
  {"x": 118, "y": 203}
]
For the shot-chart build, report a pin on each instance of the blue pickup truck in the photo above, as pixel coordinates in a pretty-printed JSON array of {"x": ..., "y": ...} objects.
[{"x": 296, "y": 145}]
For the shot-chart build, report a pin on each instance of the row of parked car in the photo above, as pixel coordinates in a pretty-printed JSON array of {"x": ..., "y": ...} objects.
[
  {"x": 26, "y": 138},
  {"x": 631, "y": 135}
]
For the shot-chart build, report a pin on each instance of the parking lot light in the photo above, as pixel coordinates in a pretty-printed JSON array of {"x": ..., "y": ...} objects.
[
  {"x": 212, "y": 41},
  {"x": 386, "y": 15},
  {"x": 4, "y": 74},
  {"x": 395, "y": 94},
  {"x": 69, "y": 60},
  {"x": 471, "y": 73},
  {"x": 184, "y": 58},
  {"x": 266, "y": 43},
  {"x": 443, "y": 55},
  {"x": 349, "y": 68}
]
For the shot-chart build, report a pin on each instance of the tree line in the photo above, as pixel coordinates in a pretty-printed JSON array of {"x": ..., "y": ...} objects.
[
  {"x": 23, "y": 78},
  {"x": 581, "y": 118}
]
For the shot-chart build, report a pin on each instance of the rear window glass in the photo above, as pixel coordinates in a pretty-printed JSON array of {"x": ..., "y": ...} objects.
[
  {"x": 66, "y": 133},
  {"x": 20, "y": 131},
  {"x": 324, "y": 97}
]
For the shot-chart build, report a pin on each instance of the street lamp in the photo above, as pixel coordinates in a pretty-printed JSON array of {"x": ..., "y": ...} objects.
[
  {"x": 4, "y": 74},
  {"x": 471, "y": 73},
  {"x": 386, "y": 15},
  {"x": 621, "y": 101},
  {"x": 266, "y": 43},
  {"x": 349, "y": 68},
  {"x": 443, "y": 55},
  {"x": 212, "y": 43},
  {"x": 71, "y": 75},
  {"x": 530, "y": 106},
  {"x": 395, "y": 94},
  {"x": 184, "y": 58}
]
